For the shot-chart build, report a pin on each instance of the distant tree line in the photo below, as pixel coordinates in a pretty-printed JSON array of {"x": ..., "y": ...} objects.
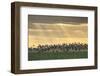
[{"x": 60, "y": 47}]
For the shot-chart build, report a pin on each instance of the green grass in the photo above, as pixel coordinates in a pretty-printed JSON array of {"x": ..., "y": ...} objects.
[{"x": 57, "y": 55}]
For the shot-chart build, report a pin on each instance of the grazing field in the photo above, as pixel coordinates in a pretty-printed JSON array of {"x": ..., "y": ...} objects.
[
  {"x": 57, "y": 55},
  {"x": 60, "y": 51}
]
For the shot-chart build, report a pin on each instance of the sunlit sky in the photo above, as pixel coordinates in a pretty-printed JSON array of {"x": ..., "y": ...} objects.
[{"x": 56, "y": 30}]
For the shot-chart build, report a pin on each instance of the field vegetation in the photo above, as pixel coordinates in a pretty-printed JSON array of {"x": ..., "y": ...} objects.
[{"x": 58, "y": 51}]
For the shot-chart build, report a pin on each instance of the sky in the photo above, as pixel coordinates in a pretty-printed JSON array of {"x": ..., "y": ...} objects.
[{"x": 49, "y": 30}]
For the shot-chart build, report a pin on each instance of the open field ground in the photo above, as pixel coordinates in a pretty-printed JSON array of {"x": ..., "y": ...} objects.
[
  {"x": 57, "y": 55},
  {"x": 60, "y": 51}
]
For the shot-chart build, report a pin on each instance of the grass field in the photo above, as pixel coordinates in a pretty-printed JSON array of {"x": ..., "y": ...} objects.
[{"x": 57, "y": 55}]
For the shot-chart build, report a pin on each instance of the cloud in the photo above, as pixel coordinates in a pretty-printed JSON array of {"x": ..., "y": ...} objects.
[
  {"x": 59, "y": 31},
  {"x": 56, "y": 29},
  {"x": 56, "y": 19}
]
